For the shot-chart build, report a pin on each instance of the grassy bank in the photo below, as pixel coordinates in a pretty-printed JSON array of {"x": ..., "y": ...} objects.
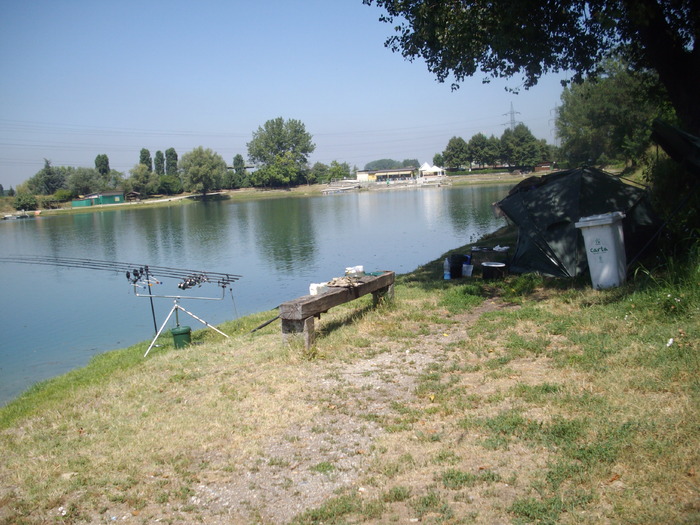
[{"x": 526, "y": 400}]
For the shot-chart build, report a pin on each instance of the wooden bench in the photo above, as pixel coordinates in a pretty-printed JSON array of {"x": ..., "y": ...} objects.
[{"x": 298, "y": 315}]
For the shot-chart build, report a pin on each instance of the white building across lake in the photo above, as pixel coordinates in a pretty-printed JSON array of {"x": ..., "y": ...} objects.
[{"x": 407, "y": 174}]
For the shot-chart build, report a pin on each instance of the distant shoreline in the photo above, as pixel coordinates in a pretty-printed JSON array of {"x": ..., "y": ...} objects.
[{"x": 245, "y": 194}]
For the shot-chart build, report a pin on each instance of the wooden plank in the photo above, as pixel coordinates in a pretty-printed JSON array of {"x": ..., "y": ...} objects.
[
  {"x": 311, "y": 305},
  {"x": 382, "y": 295},
  {"x": 292, "y": 328}
]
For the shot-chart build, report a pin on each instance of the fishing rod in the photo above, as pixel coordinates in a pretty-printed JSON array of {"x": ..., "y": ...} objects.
[
  {"x": 134, "y": 272},
  {"x": 142, "y": 276}
]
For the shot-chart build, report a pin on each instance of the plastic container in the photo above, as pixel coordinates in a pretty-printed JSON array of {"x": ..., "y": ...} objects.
[
  {"x": 318, "y": 288},
  {"x": 355, "y": 271},
  {"x": 467, "y": 266},
  {"x": 181, "y": 336},
  {"x": 605, "y": 248},
  {"x": 456, "y": 262}
]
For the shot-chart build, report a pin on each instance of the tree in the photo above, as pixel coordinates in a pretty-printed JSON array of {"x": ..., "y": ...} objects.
[
  {"x": 145, "y": 159},
  {"x": 477, "y": 147},
  {"x": 409, "y": 163},
  {"x": 383, "y": 164},
  {"x": 503, "y": 38},
  {"x": 240, "y": 174},
  {"x": 319, "y": 173},
  {"x": 456, "y": 153},
  {"x": 281, "y": 148},
  {"x": 159, "y": 163},
  {"x": 114, "y": 180},
  {"x": 203, "y": 170},
  {"x": 338, "y": 171},
  {"x": 83, "y": 181},
  {"x": 519, "y": 147},
  {"x": 438, "y": 160},
  {"x": 2, "y": 191},
  {"x": 170, "y": 161},
  {"x": 610, "y": 118},
  {"x": 169, "y": 184},
  {"x": 282, "y": 171},
  {"x": 492, "y": 152},
  {"x": 47, "y": 180},
  {"x": 102, "y": 165},
  {"x": 138, "y": 181}
]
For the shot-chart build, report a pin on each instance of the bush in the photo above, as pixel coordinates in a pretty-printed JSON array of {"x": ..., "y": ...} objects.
[
  {"x": 170, "y": 185},
  {"x": 49, "y": 203},
  {"x": 62, "y": 195},
  {"x": 25, "y": 201}
]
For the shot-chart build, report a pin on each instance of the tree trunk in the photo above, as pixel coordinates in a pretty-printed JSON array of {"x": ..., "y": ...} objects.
[{"x": 677, "y": 66}]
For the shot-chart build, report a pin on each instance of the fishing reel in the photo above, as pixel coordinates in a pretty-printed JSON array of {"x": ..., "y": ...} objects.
[
  {"x": 192, "y": 280},
  {"x": 140, "y": 276}
]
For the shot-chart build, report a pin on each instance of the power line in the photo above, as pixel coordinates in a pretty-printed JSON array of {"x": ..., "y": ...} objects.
[{"x": 511, "y": 125}]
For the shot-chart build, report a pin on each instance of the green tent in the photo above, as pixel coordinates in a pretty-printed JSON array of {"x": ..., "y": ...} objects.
[{"x": 546, "y": 208}]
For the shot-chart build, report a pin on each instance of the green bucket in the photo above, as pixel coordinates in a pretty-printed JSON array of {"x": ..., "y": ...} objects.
[{"x": 181, "y": 336}]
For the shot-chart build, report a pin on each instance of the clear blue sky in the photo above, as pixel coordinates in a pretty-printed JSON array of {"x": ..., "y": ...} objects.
[{"x": 79, "y": 78}]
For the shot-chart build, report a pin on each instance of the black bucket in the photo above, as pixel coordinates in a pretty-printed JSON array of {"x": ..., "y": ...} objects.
[{"x": 493, "y": 270}]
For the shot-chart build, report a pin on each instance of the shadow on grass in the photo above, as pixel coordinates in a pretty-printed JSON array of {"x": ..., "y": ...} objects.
[
  {"x": 429, "y": 277},
  {"x": 344, "y": 319}
]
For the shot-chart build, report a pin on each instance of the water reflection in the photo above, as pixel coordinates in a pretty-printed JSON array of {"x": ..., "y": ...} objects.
[{"x": 284, "y": 229}]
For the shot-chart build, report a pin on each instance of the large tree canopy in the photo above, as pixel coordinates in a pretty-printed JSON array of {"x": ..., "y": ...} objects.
[
  {"x": 519, "y": 147},
  {"x": 281, "y": 149},
  {"x": 610, "y": 118},
  {"x": 503, "y": 38},
  {"x": 47, "y": 180},
  {"x": 456, "y": 154},
  {"x": 278, "y": 138},
  {"x": 203, "y": 170}
]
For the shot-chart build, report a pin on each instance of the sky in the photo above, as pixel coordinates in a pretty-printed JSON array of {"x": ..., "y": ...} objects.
[{"x": 79, "y": 78}]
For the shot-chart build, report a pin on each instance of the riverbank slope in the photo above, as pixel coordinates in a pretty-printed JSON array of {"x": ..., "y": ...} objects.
[{"x": 522, "y": 400}]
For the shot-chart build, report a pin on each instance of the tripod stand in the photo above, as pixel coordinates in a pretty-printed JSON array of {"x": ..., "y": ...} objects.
[{"x": 175, "y": 309}]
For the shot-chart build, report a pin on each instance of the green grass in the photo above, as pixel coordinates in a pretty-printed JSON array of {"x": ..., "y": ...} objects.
[
  {"x": 575, "y": 405},
  {"x": 455, "y": 479},
  {"x": 397, "y": 494}
]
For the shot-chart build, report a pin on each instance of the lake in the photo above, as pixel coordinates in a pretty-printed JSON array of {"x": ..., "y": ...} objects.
[{"x": 54, "y": 319}]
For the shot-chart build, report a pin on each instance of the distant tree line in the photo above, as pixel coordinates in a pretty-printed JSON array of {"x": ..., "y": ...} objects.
[
  {"x": 277, "y": 157},
  {"x": 391, "y": 164},
  {"x": 517, "y": 147},
  {"x": 599, "y": 121}
]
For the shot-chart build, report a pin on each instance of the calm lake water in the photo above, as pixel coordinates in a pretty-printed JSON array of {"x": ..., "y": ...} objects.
[{"x": 54, "y": 319}]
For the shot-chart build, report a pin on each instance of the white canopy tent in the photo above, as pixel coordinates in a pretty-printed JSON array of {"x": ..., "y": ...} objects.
[{"x": 426, "y": 170}]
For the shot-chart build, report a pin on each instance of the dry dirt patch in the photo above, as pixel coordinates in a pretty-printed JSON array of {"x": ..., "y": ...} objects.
[{"x": 343, "y": 444}]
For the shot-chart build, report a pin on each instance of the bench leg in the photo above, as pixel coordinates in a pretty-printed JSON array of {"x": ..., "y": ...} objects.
[
  {"x": 382, "y": 295},
  {"x": 291, "y": 328}
]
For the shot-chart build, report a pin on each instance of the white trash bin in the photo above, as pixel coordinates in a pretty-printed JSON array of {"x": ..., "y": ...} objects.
[{"x": 605, "y": 248}]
